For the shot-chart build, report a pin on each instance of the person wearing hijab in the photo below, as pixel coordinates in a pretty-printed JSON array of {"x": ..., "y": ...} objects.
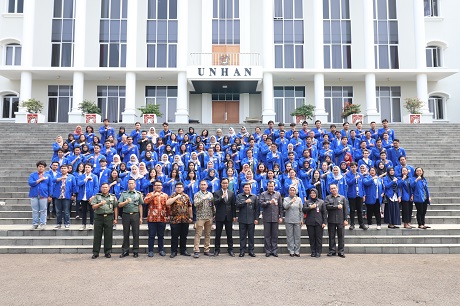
[
  {"x": 231, "y": 134},
  {"x": 391, "y": 184},
  {"x": 293, "y": 220},
  {"x": 336, "y": 177},
  {"x": 316, "y": 218},
  {"x": 152, "y": 135},
  {"x": 133, "y": 174},
  {"x": 132, "y": 161}
]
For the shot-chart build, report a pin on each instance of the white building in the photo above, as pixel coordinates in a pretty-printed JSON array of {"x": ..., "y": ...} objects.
[{"x": 226, "y": 60}]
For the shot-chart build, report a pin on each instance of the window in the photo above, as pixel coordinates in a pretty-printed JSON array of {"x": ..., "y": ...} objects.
[
  {"x": 337, "y": 34},
  {"x": 13, "y": 55},
  {"x": 113, "y": 32},
  {"x": 111, "y": 100},
  {"x": 63, "y": 33},
  {"x": 334, "y": 101},
  {"x": 226, "y": 22},
  {"x": 162, "y": 33},
  {"x": 431, "y": 8},
  {"x": 59, "y": 102},
  {"x": 287, "y": 99},
  {"x": 165, "y": 97},
  {"x": 10, "y": 106},
  {"x": 433, "y": 56},
  {"x": 436, "y": 106},
  {"x": 15, "y": 6},
  {"x": 386, "y": 35},
  {"x": 288, "y": 34},
  {"x": 389, "y": 102}
]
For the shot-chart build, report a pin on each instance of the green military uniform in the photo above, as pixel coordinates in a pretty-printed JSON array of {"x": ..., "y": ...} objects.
[
  {"x": 103, "y": 222},
  {"x": 131, "y": 219}
]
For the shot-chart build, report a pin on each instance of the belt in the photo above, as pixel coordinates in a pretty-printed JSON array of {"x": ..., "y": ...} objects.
[
  {"x": 131, "y": 213},
  {"x": 105, "y": 215}
]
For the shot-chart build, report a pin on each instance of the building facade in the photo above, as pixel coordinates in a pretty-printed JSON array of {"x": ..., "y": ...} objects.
[{"x": 228, "y": 61}]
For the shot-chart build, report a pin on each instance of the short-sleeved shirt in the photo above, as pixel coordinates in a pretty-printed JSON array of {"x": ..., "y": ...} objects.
[
  {"x": 136, "y": 200},
  {"x": 107, "y": 208},
  {"x": 157, "y": 211},
  {"x": 179, "y": 209}
]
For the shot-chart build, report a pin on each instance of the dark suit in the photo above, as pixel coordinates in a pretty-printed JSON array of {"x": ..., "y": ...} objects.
[
  {"x": 225, "y": 212},
  {"x": 248, "y": 213},
  {"x": 335, "y": 220},
  {"x": 316, "y": 217}
]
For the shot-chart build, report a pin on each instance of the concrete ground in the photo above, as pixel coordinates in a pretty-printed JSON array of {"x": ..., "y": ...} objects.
[{"x": 356, "y": 280}]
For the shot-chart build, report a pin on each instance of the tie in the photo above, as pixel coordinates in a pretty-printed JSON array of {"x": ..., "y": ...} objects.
[{"x": 226, "y": 195}]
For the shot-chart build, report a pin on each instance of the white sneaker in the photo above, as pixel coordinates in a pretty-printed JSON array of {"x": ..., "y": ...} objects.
[
  {"x": 168, "y": 227},
  {"x": 35, "y": 226},
  {"x": 114, "y": 227},
  {"x": 233, "y": 227},
  {"x": 83, "y": 227},
  {"x": 260, "y": 216},
  {"x": 57, "y": 227},
  {"x": 213, "y": 227},
  {"x": 67, "y": 226},
  {"x": 369, "y": 226},
  {"x": 42, "y": 227},
  {"x": 379, "y": 227},
  {"x": 90, "y": 227}
]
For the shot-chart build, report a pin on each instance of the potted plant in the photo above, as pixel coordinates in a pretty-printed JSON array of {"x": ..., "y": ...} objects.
[
  {"x": 352, "y": 112},
  {"x": 34, "y": 108},
  {"x": 91, "y": 111},
  {"x": 150, "y": 113},
  {"x": 413, "y": 105},
  {"x": 303, "y": 112}
]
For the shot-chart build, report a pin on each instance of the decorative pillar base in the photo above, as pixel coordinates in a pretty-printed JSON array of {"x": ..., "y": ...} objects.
[
  {"x": 267, "y": 116},
  {"x": 129, "y": 117},
  {"x": 321, "y": 116},
  {"x": 181, "y": 117},
  {"x": 76, "y": 117},
  {"x": 369, "y": 117},
  {"x": 427, "y": 118}
]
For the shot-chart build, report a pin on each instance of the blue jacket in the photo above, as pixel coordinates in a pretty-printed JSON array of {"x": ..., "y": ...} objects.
[
  {"x": 91, "y": 186},
  {"x": 420, "y": 190},
  {"x": 301, "y": 188},
  {"x": 398, "y": 171},
  {"x": 102, "y": 175},
  {"x": 389, "y": 184},
  {"x": 126, "y": 152},
  {"x": 352, "y": 182},
  {"x": 70, "y": 186},
  {"x": 394, "y": 154},
  {"x": 340, "y": 153},
  {"x": 42, "y": 189},
  {"x": 341, "y": 184},
  {"x": 405, "y": 190},
  {"x": 272, "y": 160},
  {"x": 105, "y": 133},
  {"x": 371, "y": 190}
]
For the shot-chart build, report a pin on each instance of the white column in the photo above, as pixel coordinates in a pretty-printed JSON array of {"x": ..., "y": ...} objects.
[
  {"x": 25, "y": 94},
  {"x": 268, "y": 102},
  {"x": 182, "y": 114},
  {"x": 371, "y": 99},
  {"x": 320, "y": 111},
  {"x": 244, "y": 106},
  {"x": 131, "y": 35},
  {"x": 317, "y": 44},
  {"x": 78, "y": 92},
  {"x": 129, "y": 115},
  {"x": 268, "y": 32},
  {"x": 206, "y": 108}
]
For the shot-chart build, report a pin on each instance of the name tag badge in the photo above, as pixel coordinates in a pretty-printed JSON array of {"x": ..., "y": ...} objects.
[{"x": 110, "y": 206}]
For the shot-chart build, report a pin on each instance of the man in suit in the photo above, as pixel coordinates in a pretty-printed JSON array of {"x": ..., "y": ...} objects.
[
  {"x": 271, "y": 203},
  {"x": 337, "y": 208},
  {"x": 224, "y": 201},
  {"x": 248, "y": 205}
]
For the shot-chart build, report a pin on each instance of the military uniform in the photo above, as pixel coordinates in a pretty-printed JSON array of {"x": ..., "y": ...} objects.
[
  {"x": 131, "y": 219},
  {"x": 103, "y": 222}
]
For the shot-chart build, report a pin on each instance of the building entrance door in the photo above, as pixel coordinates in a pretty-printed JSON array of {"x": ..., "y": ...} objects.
[{"x": 225, "y": 111}]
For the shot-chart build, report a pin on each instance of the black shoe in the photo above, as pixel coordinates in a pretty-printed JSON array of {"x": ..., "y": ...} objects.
[
  {"x": 136, "y": 255},
  {"x": 331, "y": 254},
  {"x": 231, "y": 253},
  {"x": 186, "y": 253},
  {"x": 173, "y": 254},
  {"x": 216, "y": 253},
  {"x": 363, "y": 227},
  {"x": 292, "y": 255},
  {"x": 252, "y": 254},
  {"x": 267, "y": 254},
  {"x": 318, "y": 255},
  {"x": 124, "y": 254},
  {"x": 95, "y": 256},
  {"x": 342, "y": 255},
  {"x": 275, "y": 254},
  {"x": 242, "y": 254},
  {"x": 297, "y": 255},
  {"x": 313, "y": 255},
  {"x": 108, "y": 255},
  {"x": 162, "y": 253},
  {"x": 352, "y": 227},
  {"x": 208, "y": 254}
]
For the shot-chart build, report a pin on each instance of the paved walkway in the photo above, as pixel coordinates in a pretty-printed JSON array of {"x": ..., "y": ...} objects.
[{"x": 355, "y": 280}]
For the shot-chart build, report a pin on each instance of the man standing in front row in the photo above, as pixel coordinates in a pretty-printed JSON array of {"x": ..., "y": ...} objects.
[
  {"x": 104, "y": 205},
  {"x": 337, "y": 219},
  {"x": 181, "y": 215},
  {"x": 224, "y": 202},
  {"x": 248, "y": 205},
  {"x": 131, "y": 201},
  {"x": 203, "y": 201},
  {"x": 271, "y": 203}
]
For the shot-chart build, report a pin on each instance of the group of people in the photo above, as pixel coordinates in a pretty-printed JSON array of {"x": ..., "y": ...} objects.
[{"x": 309, "y": 176}]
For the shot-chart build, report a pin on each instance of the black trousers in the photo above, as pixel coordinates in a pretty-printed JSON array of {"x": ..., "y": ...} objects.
[
  {"x": 407, "y": 207},
  {"x": 374, "y": 209},
  {"x": 356, "y": 205},
  {"x": 179, "y": 230},
  {"x": 130, "y": 222},
  {"x": 228, "y": 231},
  {"x": 246, "y": 233},
  {"x": 85, "y": 207},
  {"x": 271, "y": 237},
  {"x": 421, "y": 212},
  {"x": 333, "y": 229},
  {"x": 315, "y": 235},
  {"x": 103, "y": 224}
]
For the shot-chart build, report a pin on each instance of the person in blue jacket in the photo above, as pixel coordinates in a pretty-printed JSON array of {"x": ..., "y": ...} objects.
[
  {"x": 395, "y": 153},
  {"x": 65, "y": 189},
  {"x": 274, "y": 157},
  {"x": 128, "y": 149},
  {"x": 136, "y": 133},
  {"x": 391, "y": 185},
  {"x": 403, "y": 164},
  {"x": 355, "y": 194},
  {"x": 406, "y": 198},
  {"x": 40, "y": 192},
  {"x": 422, "y": 197},
  {"x": 338, "y": 179},
  {"x": 106, "y": 130},
  {"x": 373, "y": 191},
  {"x": 386, "y": 129},
  {"x": 340, "y": 151},
  {"x": 292, "y": 179},
  {"x": 88, "y": 184}
]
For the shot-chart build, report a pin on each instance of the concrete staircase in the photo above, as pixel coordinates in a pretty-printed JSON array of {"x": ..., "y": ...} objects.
[{"x": 429, "y": 146}]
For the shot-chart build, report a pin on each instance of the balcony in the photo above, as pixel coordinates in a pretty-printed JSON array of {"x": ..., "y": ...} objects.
[{"x": 225, "y": 59}]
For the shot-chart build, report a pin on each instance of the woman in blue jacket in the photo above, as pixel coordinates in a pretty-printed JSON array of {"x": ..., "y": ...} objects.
[
  {"x": 373, "y": 191},
  {"x": 406, "y": 198},
  {"x": 40, "y": 184},
  {"x": 422, "y": 197},
  {"x": 391, "y": 214},
  {"x": 338, "y": 179}
]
